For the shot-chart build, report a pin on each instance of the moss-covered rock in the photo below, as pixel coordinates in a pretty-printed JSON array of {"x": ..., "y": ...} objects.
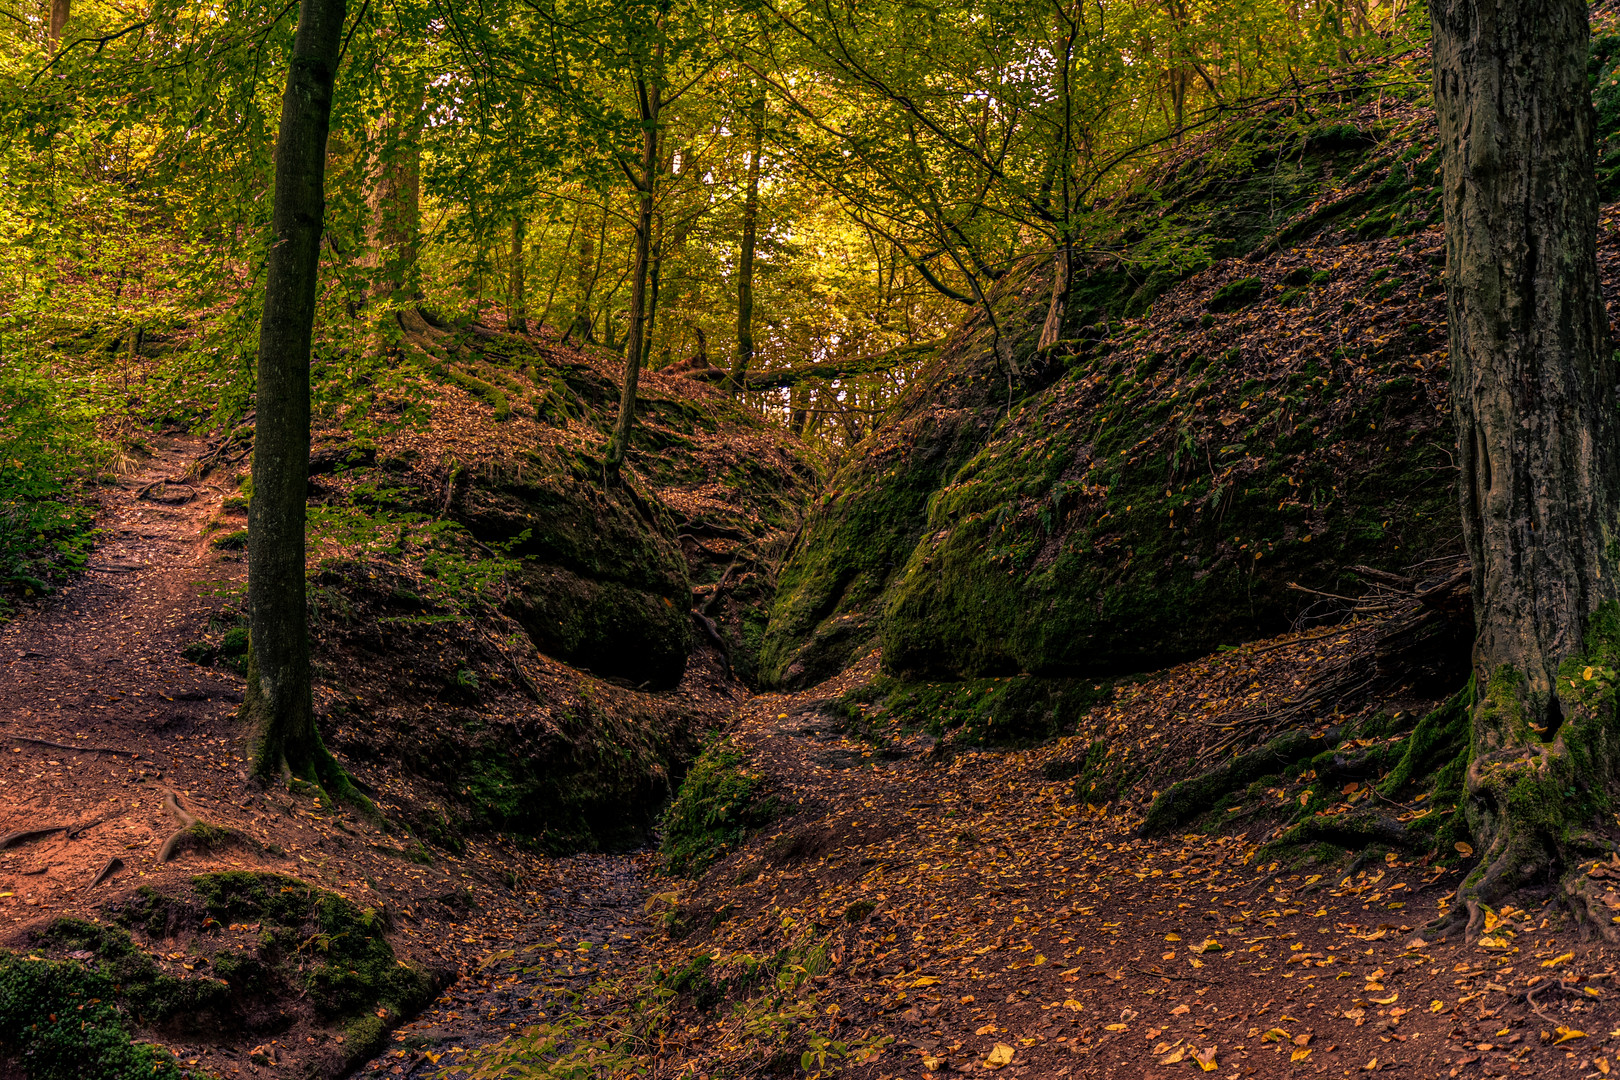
[
  {"x": 720, "y": 804},
  {"x": 1272, "y": 421}
]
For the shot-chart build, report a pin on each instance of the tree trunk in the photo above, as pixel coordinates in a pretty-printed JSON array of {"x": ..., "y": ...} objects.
[
  {"x": 396, "y": 201},
  {"x": 1534, "y": 394},
  {"x": 745, "y": 266},
  {"x": 620, "y": 443},
  {"x": 654, "y": 277},
  {"x": 516, "y": 317},
  {"x": 585, "y": 274},
  {"x": 60, "y": 10},
  {"x": 278, "y": 701}
]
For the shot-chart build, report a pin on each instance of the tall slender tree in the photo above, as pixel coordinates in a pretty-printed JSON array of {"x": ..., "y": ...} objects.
[
  {"x": 278, "y": 702},
  {"x": 1534, "y": 389},
  {"x": 745, "y": 260}
]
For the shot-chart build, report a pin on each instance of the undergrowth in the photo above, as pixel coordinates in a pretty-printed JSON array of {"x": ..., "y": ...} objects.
[{"x": 720, "y": 804}]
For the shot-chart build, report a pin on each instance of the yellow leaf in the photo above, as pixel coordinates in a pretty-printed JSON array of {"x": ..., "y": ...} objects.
[
  {"x": 988, "y": 1029},
  {"x": 1386, "y": 1001},
  {"x": 1495, "y": 943},
  {"x": 1565, "y": 1034},
  {"x": 1274, "y": 1035},
  {"x": 932, "y": 1062},
  {"x": 1001, "y": 1055},
  {"x": 1492, "y": 921},
  {"x": 1113, "y": 1027},
  {"x": 926, "y": 980},
  {"x": 1371, "y": 1066},
  {"x": 1073, "y": 1004},
  {"x": 1300, "y": 1055},
  {"x": 1555, "y": 961},
  {"x": 1181, "y": 1010},
  {"x": 1039, "y": 960},
  {"x": 1178, "y": 1054},
  {"x": 1436, "y": 1005},
  {"x": 1465, "y": 849},
  {"x": 1210, "y": 945},
  {"x": 1206, "y": 1059},
  {"x": 1172, "y": 937}
]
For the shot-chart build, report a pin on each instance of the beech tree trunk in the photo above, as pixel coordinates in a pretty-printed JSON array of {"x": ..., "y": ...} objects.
[
  {"x": 745, "y": 265},
  {"x": 396, "y": 200},
  {"x": 60, "y": 10},
  {"x": 648, "y": 98},
  {"x": 1534, "y": 390},
  {"x": 278, "y": 702}
]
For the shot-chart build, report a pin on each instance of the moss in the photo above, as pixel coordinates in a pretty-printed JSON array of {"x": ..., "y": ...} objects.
[
  {"x": 231, "y": 541},
  {"x": 151, "y": 996},
  {"x": 58, "y": 1021},
  {"x": 334, "y": 949},
  {"x": 1235, "y": 295},
  {"x": 719, "y": 805},
  {"x": 1189, "y": 798},
  {"x": 993, "y": 711}
]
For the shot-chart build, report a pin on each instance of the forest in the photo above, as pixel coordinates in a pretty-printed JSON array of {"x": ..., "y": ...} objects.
[{"x": 721, "y": 539}]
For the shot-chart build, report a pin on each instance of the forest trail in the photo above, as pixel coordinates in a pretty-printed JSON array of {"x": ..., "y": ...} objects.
[{"x": 950, "y": 908}]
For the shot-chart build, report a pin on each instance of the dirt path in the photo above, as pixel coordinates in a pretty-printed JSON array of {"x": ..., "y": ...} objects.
[
  {"x": 971, "y": 917},
  {"x": 98, "y": 667}
]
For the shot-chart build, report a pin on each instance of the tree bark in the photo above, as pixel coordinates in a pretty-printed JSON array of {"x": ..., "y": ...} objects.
[
  {"x": 745, "y": 265},
  {"x": 618, "y": 446},
  {"x": 1534, "y": 395},
  {"x": 516, "y": 316},
  {"x": 60, "y": 11},
  {"x": 396, "y": 200},
  {"x": 278, "y": 702}
]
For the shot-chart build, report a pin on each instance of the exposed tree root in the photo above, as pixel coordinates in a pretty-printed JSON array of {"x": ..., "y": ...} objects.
[
  {"x": 22, "y": 836},
  {"x": 68, "y": 746},
  {"x": 108, "y": 869},
  {"x": 171, "y": 846}
]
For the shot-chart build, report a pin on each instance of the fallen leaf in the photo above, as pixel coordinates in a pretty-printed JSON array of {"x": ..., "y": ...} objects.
[
  {"x": 988, "y": 1029},
  {"x": 1465, "y": 849},
  {"x": 932, "y": 1062},
  {"x": 1180, "y": 1010},
  {"x": 1274, "y": 1035},
  {"x": 1178, "y": 1054},
  {"x": 1206, "y": 1059},
  {"x": 1300, "y": 1055},
  {"x": 1107, "y": 1027},
  {"x": 1555, "y": 961},
  {"x": 1001, "y": 1055},
  {"x": 1387, "y": 1001},
  {"x": 1565, "y": 1034},
  {"x": 926, "y": 980}
]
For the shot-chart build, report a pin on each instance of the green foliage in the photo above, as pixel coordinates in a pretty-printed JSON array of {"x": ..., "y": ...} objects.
[
  {"x": 49, "y": 450},
  {"x": 58, "y": 1022},
  {"x": 718, "y": 806}
]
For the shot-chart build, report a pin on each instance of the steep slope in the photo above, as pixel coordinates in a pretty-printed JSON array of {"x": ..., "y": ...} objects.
[{"x": 988, "y": 528}]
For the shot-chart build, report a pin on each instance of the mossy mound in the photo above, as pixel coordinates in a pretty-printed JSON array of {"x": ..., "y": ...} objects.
[
  {"x": 1106, "y": 515},
  {"x": 258, "y": 954},
  {"x": 719, "y": 806},
  {"x": 516, "y": 645}
]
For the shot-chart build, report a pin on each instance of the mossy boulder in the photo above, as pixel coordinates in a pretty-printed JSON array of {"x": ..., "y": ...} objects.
[
  {"x": 600, "y": 581},
  {"x": 1156, "y": 503}
]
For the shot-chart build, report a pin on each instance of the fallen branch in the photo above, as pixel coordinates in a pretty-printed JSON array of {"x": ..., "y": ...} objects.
[
  {"x": 67, "y": 746},
  {"x": 826, "y": 369}
]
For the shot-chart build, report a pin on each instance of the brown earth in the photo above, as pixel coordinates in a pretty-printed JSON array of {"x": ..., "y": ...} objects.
[{"x": 923, "y": 904}]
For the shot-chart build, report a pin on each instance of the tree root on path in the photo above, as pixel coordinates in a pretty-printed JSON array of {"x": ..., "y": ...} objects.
[
  {"x": 187, "y": 822},
  {"x": 108, "y": 869},
  {"x": 24, "y": 835},
  {"x": 7, "y": 736}
]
